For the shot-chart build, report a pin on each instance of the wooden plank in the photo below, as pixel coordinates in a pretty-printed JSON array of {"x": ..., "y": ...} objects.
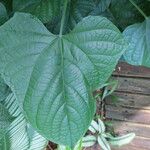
[
  {"x": 123, "y": 127},
  {"x": 130, "y": 100},
  {"x": 126, "y": 70},
  {"x": 139, "y": 143},
  {"x": 126, "y": 114},
  {"x": 132, "y": 85},
  {"x": 128, "y": 147}
]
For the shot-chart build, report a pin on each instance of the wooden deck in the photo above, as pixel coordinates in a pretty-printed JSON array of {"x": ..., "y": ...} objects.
[{"x": 131, "y": 113}]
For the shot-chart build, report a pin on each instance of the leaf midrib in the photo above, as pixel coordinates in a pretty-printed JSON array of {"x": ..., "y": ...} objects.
[{"x": 63, "y": 84}]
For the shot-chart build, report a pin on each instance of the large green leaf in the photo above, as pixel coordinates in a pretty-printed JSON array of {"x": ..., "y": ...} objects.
[
  {"x": 3, "y": 14},
  {"x": 45, "y": 10},
  {"x": 5, "y": 120},
  {"x": 18, "y": 135},
  {"x": 138, "y": 36},
  {"x": 53, "y": 76}
]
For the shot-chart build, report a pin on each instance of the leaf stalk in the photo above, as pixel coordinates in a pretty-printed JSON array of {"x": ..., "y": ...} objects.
[
  {"x": 138, "y": 8},
  {"x": 63, "y": 18}
]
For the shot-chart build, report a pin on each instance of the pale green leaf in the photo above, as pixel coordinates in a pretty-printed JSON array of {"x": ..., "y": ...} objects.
[
  {"x": 121, "y": 140},
  {"x": 103, "y": 143},
  {"x": 93, "y": 127},
  {"x": 138, "y": 37},
  {"x": 53, "y": 77},
  {"x": 101, "y": 126},
  {"x": 88, "y": 140}
]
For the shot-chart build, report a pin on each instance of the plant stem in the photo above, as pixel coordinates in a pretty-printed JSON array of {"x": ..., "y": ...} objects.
[
  {"x": 139, "y": 9},
  {"x": 63, "y": 18}
]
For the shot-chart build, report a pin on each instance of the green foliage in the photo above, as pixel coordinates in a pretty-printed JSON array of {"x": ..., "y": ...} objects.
[
  {"x": 120, "y": 140},
  {"x": 19, "y": 135},
  {"x": 103, "y": 138},
  {"x": 54, "y": 59},
  {"x": 45, "y": 10},
  {"x": 76, "y": 11},
  {"x": 125, "y": 14}
]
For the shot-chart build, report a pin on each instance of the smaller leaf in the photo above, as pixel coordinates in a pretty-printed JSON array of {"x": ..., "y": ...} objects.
[
  {"x": 110, "y": 87},
  {"x": 122, "y": 140},
  {"x": 88, "y": 140},
  {"x": 103, "y": 143},
  {"x": 101, "y": 126},
  {"x": 94, "y": 126}
]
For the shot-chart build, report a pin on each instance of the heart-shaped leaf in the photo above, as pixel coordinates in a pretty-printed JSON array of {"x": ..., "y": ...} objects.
[
  {"x": 54, "y": 76},
  {"x": 121, "y": 140},
  {"x": 138, "y": 36}
]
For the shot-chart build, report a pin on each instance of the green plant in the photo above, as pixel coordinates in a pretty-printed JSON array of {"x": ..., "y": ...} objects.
[
  {"x": 103, "y": 138},
  {"x": 53, "y": 60}
]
